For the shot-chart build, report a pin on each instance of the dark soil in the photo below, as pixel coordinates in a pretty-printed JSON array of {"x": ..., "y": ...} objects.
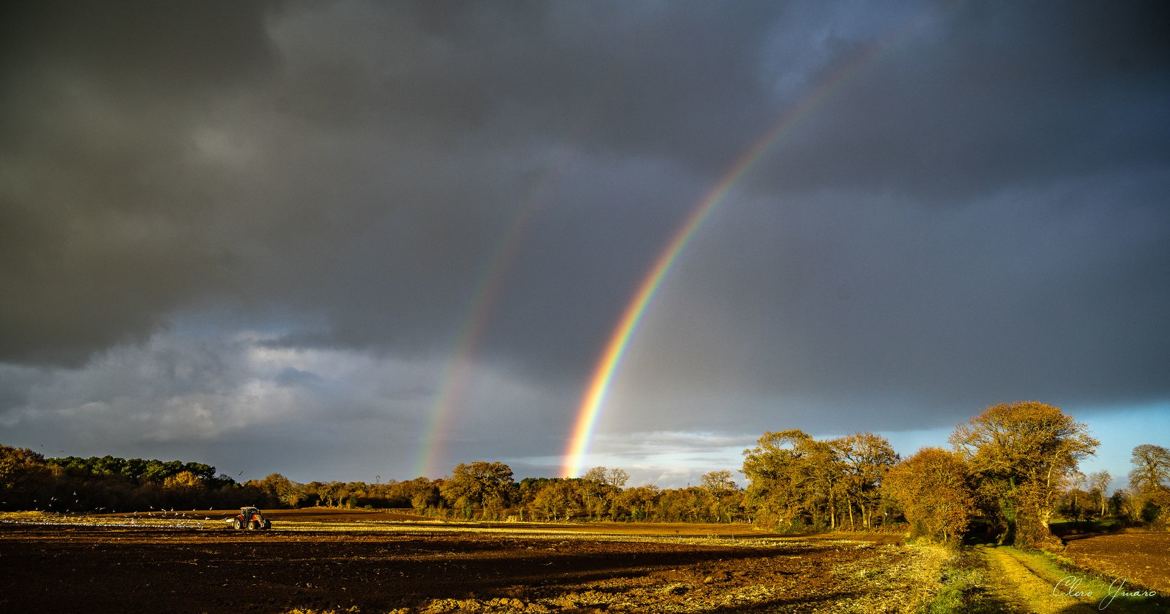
[
  {"x": 1138, "y": 557},
  {"x": 117, "y": 569}
]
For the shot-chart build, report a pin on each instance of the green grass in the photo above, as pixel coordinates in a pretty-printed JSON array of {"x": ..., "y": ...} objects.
[
  {"x": 1037, "y": 580},
  {"x": 958, "y": 586},
  {"x": 963, "y": 580},
  {"x": 1068, "y": 579}
]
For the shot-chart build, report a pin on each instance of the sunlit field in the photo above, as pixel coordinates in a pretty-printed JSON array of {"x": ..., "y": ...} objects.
[
  {"x": 319, "y": 559},
  {"x": 371, "y": 562}
]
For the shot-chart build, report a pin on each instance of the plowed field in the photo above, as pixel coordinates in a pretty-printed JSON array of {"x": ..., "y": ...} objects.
[
  {"x": 191, "y": 565},
  {"x": 1135, "y": 556}
]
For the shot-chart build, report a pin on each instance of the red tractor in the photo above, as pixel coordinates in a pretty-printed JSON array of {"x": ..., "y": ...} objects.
[{"x": 250, "y": 518}]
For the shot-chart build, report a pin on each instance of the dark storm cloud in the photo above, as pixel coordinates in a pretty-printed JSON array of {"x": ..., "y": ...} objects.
[
  {"x": 356, "y": 163},
  {"x": 973, "y": 211},
  {"x": 845, "y": 313},
  {"x": 102, "y": 218},
  {"x": 977, "y": 215},
  {"x": 992, "y": 96}
]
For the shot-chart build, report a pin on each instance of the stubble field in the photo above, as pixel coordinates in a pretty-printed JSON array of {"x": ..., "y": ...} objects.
[{"x": 322, "y": 560}]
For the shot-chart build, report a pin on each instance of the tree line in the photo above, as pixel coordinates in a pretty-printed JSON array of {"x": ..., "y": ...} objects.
[
  {"x": 29, "y": 481},
  {"x": 1010, "y": 472}
]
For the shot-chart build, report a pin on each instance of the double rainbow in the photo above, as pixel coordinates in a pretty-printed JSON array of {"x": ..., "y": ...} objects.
[{"x": 619, "y": 340}]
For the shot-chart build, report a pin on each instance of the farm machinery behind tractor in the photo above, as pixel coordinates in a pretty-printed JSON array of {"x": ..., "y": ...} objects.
[{"x": 250, "y": 518}]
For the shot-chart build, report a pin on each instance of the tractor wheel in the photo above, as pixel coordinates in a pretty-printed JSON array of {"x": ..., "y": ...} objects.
[
  {"x": 267, "y": 524},
  {"x": 238, "y": 524},
  {"x": 254, "y": 525}
]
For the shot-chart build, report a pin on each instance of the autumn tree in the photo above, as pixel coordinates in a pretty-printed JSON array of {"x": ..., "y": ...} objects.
[
  {"x": 280, "y": 490},
  {"x": 933, "y": 492},
  {"x": 182, "y": 480},
  {"x": 724, "y": 495},
  {"x": 1151, "y": 468},
  {"x": 865, "y": 459},
  {"x": 1121, "y": 504},
  {"x": 718, "y": 481},
  {"x": 25, "y": 479},
  {"x": 595, "y": 475},
  {"x": 793, "y": 479},
  {"x": 599, "y": 489},
  {"x": 595, "y": 492},
  {"x": 527, "y": 490},
  {"x": 421, "y": 492},
  {"x": 688, "y": 504},
  {"x": 481, "y": 486},
  {"x": 1150, "y": 482},
  {"x": 30, "y": 481},
  {"x": 557, "y": 500},
  {"x": 1099, "y": 486},
  {"x": 774, "y": 480},
  {"x": 637, "y": 503},
  {"x": 1023, "y": 453},
  {"x": 614, "y": 477}
]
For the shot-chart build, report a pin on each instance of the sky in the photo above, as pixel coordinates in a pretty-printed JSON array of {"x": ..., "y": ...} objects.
[{"x": 368, "y": 241}]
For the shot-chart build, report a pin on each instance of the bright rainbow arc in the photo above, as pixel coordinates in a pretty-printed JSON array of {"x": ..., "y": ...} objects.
[{"x": 619, "y": 340}]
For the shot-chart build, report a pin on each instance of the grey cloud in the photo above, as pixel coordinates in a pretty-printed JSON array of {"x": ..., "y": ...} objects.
[
  {"x": 101, "y": 213},
  {"x": 296, "y": 377},
  {"x": 990, "y": 96},
  {"x": 888, "y": 309},
  {"x": 184, "y": 392},
  {"x": 322, "y": 167},
  {"x": 969, "y": 207}
]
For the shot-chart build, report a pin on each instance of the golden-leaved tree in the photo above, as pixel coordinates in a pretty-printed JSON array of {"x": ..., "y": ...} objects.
[
  {"x": 1150, "y": 482},
  {"x": 1022, "y": 454},
  {"x": 481, "y": 486},
  {"x": 865, "y": 458},
  {"x": 794, "y": 480},
  {"x": 933, "y": 489}
]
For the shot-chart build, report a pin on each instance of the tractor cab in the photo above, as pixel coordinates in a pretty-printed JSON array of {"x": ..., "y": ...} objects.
[{"x": 250, "y": 518}]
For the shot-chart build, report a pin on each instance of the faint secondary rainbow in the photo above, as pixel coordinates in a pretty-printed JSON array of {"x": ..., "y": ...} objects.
[
  {"x": 457, "y": 373},
  {"x": 619, "y": 340}
]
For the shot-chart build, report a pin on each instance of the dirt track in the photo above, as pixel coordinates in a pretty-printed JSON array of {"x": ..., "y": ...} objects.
[
  {"x": 1020, "y": 589},
  {"x": 113, "y": 569},
  {"x": 1028, "y": 581}
]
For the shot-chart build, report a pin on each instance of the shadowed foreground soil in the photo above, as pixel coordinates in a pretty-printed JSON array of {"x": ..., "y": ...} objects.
[{"x": 119, "y": 569}]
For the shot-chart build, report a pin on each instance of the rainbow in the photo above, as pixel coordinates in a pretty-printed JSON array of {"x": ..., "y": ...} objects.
[
  {"x": 619, "y": 340},
  {"x": 457, "y": 372}
]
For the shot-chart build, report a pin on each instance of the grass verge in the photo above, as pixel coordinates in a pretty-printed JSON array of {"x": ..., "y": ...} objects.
[
  {"x": 963, "y": 586},
  {"x": 1068, "y": 580}
]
